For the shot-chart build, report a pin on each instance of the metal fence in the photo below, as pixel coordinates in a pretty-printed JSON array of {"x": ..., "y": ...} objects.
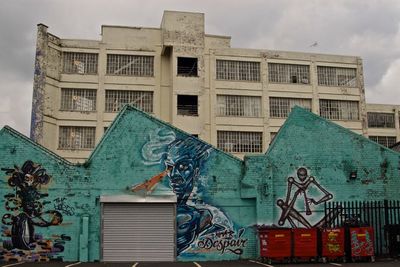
[{"x": 376, "y": 214}]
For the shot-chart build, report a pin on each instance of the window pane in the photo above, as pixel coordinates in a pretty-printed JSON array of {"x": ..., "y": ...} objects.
[
  {"x": 332, "y": 76},
  {"x": 80, "y": 63},
  {"x": 78, "y": 99},
  {"x": 288, "y": 73},
  {"x": 339, "y": 109},
  {"x": 238, "y": 70},
  {"x": 239, "y": 106},
  {"x": 130, "y": 65},
  {"x": 239, "y": 142},
  {"x": 73, "y": 137},
  {"x": 280, "y": 107},
  {"x": 381, "y": 120},
  {"x": 116, "y": 99}
]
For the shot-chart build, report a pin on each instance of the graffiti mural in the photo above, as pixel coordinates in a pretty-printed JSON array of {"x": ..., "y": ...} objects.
[
  {"x": 302, "y": 194},
  {"x": 199, "y": 225},
  {"x": 26, "y": 210}
]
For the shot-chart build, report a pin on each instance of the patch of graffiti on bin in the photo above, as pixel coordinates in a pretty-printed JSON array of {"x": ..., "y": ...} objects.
[
  {"x": 26, "y": 210},
  {"x": 361, "y": 243},
  {"x": 183, "y": 162}
]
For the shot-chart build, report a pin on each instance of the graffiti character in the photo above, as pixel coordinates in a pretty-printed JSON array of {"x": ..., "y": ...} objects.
[
  {"x": 25, "y": 205},
  {"x": 301, "y": 187}
]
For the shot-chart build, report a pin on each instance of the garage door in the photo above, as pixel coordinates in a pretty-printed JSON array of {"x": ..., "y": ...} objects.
[{"x": 138, "y": 232}]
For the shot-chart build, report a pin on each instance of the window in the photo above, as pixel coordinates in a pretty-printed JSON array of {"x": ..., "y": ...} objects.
[
  {"x": 386, "y": 141},
  {"x": 332, "y": 76},
  {"x": 73, "y": 137},
  {"x": 238, "y": 70},
  {"x": 240, "y": 106},
  {"x": 187, "y": 66},
  {"x": 116, "y": 99},
  {"x": 80, "y": 63},
  {"x": 239, "y": 142},
  {"x": 339, "y": 109},
  {"x": 187, "y": 105},
  {"x": 78, "y": 99},
  {"x": 380, "y": 120},
  {"x": 280, "y": 107},
  {"x": 130, "y": 65},
  {"x": 288, "y": 73}
]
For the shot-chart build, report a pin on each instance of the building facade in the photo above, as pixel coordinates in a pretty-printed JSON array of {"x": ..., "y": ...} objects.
[
  {"x": 235, "y": 99},
  {"x": 151, "y": 192}
]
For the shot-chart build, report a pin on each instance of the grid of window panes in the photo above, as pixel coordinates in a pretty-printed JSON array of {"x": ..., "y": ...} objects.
[
  {"x": 240, "y": 106},
  {"x": 130, "y": 65},
  {"x": 386, "y": 141},
  {"x": 288, "y": 73},
  {"x": 280, "y": 107},
  {"x": 80, "y": 63},
  {"x": 116, "y": 99},
  {"x": 333, "y": 76},
  {"x": 380, "y": 120},
  {"x": 239, "y": 142},
  {"x": 238, "y": 70},
  {"x": 78, "y": 99},
  {"x": 339, "y": 109},
  {"x": 76, "y": 137}
]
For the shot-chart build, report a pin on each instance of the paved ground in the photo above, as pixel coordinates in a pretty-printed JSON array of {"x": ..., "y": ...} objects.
[{"x": 385, "y": 263}]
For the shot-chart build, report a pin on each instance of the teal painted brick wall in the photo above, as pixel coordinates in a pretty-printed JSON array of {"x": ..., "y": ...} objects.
[
  {"x": 136, "y": 148},
  {"x": 227, "y": 195}
]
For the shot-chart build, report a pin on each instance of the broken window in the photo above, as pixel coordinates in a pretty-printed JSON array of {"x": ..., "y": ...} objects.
[
  {"x": 188, "y": 105},
  {"x": 116, "y": 99},
  {"x": 187, "y": 66},
  {"x": 80, "y": 63},
  {"x": 240, "y": 106},
  {"x": 288, "y": 73},
  {"x": 78, "y": 99},
  {"x": 280, "y": 107},
  {"x": 339, "y": 109},
  {"x": 239, "y": 142},
  {"x": 386, "y": 141},
  {"x": 380, "y": 120},
  {"x": 76, "y": 137},
  {"x": 238, "y": 70},
  {"x": 333, "y": 76},
  {"x": 130, "y": 65}
]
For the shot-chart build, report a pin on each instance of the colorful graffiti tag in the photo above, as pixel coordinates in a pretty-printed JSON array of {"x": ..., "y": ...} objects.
[
  {"x": 199, "y": 225},
  {"x": 295, "y": 209},
  {"x": 26, "y": 209}
]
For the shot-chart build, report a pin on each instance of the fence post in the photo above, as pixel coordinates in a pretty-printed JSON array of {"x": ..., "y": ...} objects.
[{"x": 386, "y": 206}]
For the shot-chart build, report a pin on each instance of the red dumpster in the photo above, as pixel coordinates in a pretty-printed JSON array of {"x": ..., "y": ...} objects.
[
  {"x": 305, "y": 244},
  {"x": 275, "y": 244},
  {"x": 362, "y": 242},
  {"x": 333, "y": 244}
]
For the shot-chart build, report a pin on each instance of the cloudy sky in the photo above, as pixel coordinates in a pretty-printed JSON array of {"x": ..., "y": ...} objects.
[{"x": 365, "y": 28}]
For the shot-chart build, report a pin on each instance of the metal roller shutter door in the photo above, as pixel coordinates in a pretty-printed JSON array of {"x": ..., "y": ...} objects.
[{"x": 138, "y": 232}]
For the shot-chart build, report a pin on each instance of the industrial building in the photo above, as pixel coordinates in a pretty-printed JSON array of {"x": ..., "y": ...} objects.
[
  {"x": 151, "y": 192},
  {"x": 235, "y": 99}
]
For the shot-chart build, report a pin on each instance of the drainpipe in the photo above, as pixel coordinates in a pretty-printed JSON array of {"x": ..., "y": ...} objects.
[{"x": 84, "y": 240}]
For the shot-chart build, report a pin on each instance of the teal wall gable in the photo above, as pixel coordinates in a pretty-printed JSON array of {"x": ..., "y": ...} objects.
[{"x": 308, "y": 146}]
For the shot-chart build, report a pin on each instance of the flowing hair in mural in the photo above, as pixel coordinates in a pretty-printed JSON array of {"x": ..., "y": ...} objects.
[
  {"x": 183, "y": 161},
  {"x": 26, "y": 209}
]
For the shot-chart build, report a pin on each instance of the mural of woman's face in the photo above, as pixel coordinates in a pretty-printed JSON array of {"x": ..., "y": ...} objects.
[{"x": 182, "y": 173}]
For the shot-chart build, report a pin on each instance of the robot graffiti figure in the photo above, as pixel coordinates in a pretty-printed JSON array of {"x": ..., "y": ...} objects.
[{"x": 302, "y": 186}]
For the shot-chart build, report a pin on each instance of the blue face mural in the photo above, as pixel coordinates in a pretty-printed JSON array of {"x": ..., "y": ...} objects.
[
  {"x": 26, "y": 209},
  {"x": 300, "y": 198},
  {"x": 200, "y": 226}
]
